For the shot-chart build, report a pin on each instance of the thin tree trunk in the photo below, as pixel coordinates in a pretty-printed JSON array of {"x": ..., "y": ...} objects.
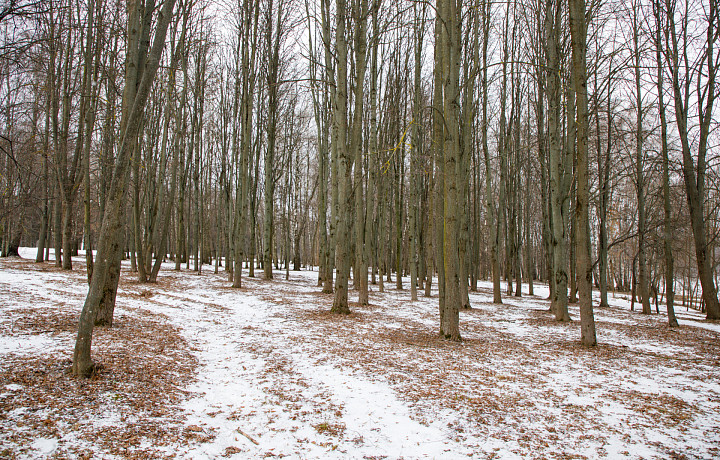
[
  {"x": 330, "y": 78},
  {"x": 415, "y": 153},
  {"x": 44, "y": 223},
  {"x": 340, "y": 303},
  {"x": 273, "y": 56},
  {"x": 640, "y": 167},
  {"x": 372, "y": 189},
  {"x": 490, "y": 208},
  {"x": 529, "y": 262},
  {"x": 464, "y": 157},
  {"x": 667, "y": 221},
  {"x": 503, "y": 185},
  {"x": 360, "y": 11},
  {"x": 437, "y": 145},
  {"x": 559, "y": 166},
  {"x": 604, "y": 192}
]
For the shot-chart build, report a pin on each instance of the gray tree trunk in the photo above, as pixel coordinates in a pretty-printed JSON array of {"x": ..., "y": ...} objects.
[
  {"x": 330, "y": 79},
  {"x": 603, "y": 161},
  {"x": 437, "y": 145},
  {"x": 273, "y": 55},
  {"x": 44, "y": 223},
  {"x": 415, "y": 153},
  {"x": 371, "y": 244}
]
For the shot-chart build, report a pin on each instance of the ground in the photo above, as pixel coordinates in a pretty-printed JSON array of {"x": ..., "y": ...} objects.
[{"x": 195, "y": 369}]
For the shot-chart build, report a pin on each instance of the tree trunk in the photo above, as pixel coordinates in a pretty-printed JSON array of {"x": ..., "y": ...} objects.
[
  {"x": 92, "y": 61},
  {"x": 464, "y": 157},
  {"x": 360, "y": 13},
  {"x": 273, "y": 56},
  {"x": 640, "y": 167},
  {"x": 450, "y": 14},
  {"x": 373, "y": 164},
  {"x": 340, "y": 303},
  {"x": 437, "y": 145},
  {"x": 604, "y": 192},
  {"x": 415, "y": 153},
  {"x": 667, "y": 221},
  {"x": 44, "y": 223},
  {"x": 490, "y": 207},
  {"x": 559, "y": 166},
  {"x": 578, "y": 32},
  {"x": 694, "y": 173},
  {"x": 330, "y": 78},
  {"x": 109, "y": 246}
]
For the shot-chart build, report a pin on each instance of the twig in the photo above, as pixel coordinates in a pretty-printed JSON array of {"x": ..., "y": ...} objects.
[{"x": 247, "y": 436}]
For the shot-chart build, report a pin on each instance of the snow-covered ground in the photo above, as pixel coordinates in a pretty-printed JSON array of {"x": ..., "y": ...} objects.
[{"x": 266, "y": 371}]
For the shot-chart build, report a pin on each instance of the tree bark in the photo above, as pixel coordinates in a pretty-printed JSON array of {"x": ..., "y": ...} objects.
[
  {"x": 604, "y": 191},
  {"x": 332, "y": 87},
  {"x": 578, "y": 31},
  {"x": 342, "y": 252},
  {"x": 437, "y": 146},
  {"x": 415, "y": 153},
  {"x": 273, "y": 56},
  {"x": 559, "y": 166},
  {"x": 450, "y": 14}
]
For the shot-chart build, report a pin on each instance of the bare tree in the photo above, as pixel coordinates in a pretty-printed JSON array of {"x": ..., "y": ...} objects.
[
  {"x": 491, "y": 209},
  {"x": 578, "y": 31},
  {"x": 360, "y": 14},
  {"x": 667, "y": 208},
  {"x": 560, "y": 164},
  {"x": 640, "y": 161},
  {"x": 138, "y": 83},
  {"x": 450, "y": 14},
  {"x": 695, "y": 78},
  {"x": 344, "y": 164},
  {"x": 273, "y": 40}
]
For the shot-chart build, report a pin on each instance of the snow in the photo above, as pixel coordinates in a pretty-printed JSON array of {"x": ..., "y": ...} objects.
[
  {"x": 45, "y": 446},
  {"x": 276, "y": 377},
  {"x": 378, "y": 422}
]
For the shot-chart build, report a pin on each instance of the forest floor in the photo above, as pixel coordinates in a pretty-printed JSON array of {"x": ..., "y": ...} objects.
[{"x": 195, "y": 369}]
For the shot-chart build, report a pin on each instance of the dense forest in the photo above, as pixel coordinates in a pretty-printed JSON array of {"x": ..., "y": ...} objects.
[{"x": 455, "y": 141}]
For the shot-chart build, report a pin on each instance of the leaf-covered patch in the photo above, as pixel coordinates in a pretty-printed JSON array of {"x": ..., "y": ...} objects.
[{"x": 130, "y": 408}]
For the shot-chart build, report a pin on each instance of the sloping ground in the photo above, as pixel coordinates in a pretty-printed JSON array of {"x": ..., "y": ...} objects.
[{"x": 199, "y": 370}]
